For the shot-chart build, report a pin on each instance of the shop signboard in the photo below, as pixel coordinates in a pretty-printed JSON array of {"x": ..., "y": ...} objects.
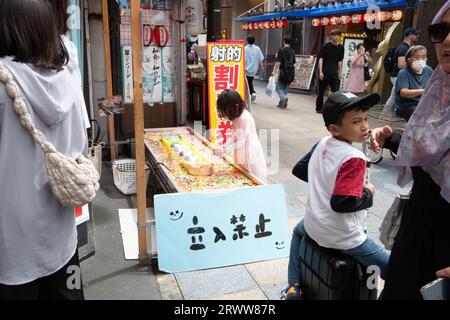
[
  {"x": 304, "y": 70},
  {"x": 349, "y": 52},
  {"x": 226, "y": 70},
  {"x": 127, "y": 74},
  {"x": 157, "y": 74},
  {"x": 200, "y": 230}
]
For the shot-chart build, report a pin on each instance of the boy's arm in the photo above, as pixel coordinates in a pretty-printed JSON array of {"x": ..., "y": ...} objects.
[
  {"x": 347, "y": 204},
  {"x": 349, "y": 194},
  {"x": 300, "y": 170}
]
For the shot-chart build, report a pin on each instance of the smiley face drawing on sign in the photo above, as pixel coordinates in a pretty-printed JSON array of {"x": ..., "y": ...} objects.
[
  {"x": 280, "y": 245},
  {"x": 177, "y": 215}
]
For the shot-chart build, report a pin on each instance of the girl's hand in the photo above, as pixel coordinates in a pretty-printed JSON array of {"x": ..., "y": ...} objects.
[
  {"x": 378, "y": 137},
  {"x": 444, "y": 273}
]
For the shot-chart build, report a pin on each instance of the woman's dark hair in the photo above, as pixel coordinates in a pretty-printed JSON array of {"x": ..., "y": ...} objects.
[
  {"x": 61, "y": 16},
  {"x": 28, "y": 33},
  {"x": 360, "y": 45},
  {"x": 251, "y": 39},
  {"x": 230, "y": 104}
]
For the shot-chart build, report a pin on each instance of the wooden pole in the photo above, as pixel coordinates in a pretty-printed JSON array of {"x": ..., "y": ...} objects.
[
  {"x": 139, "y": 128},
  {"x": 109, "y": 87}
]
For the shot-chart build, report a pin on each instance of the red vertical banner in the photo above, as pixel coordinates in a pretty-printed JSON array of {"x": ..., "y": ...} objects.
[{"x": 226, "y": 70}]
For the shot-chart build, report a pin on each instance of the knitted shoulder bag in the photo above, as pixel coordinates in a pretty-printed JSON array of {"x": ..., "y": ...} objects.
[{"x": 73, "y": 182}]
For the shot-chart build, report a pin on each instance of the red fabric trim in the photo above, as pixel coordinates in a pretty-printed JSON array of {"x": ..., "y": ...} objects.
[{"x": 350, "y": 178}]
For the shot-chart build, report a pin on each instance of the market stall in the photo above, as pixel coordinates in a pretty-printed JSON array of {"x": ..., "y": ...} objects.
[{"x": 169, "y": 170}]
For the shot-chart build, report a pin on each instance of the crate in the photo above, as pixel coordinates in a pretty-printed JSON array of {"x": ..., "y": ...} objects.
[{"x": 124, "y": 172}]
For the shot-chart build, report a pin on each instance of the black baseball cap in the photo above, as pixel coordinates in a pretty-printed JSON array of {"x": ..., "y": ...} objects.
[
  {"x": 410, "y": 31},
  {"x": 342, "y": 100}
]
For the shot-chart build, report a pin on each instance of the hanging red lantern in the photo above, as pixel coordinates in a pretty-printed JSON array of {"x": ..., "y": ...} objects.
[
  {"x": 161, "y": 36},
  {"x": 334, "y": 21},
  {"x": 357, "y": 18},
  {"x": 285, "y": 23},
  {"x": 316, "y": 22},
  {"x": 147, "y": 34},
  {"x": 255, "y": 26},
  {"x": 261, "y": 25},
  {"x": 345, "y": 19},
  {"x": 325, "y": 21},
  {"x": 273, "y": 24},
  {"x": 266, "y": 25},
  {"x": 279, "y": 24},
  {"x": 243, "y": 27},
  {"x": 388, "y": 15},
  {"x": 249, "y": 26}
]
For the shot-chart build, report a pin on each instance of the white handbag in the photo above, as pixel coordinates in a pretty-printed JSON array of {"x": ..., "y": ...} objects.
[
  {"x": 73, "y": 182},
  {"x": 391, "y": 222}
]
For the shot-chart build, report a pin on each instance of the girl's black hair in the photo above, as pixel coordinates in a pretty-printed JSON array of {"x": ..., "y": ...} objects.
[
  {"x": 230, "y": 104},
  {"x": 61, "y": 16},
  {"x": 28, "y": 32},
  {"x": 361, "y": 44}
]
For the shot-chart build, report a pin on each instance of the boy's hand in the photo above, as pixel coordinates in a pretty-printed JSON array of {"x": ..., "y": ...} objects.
[
  {"x": 370, "y": 186},
  {"x": 444, "y": 273},
  {"x": 378, "y": 137}
]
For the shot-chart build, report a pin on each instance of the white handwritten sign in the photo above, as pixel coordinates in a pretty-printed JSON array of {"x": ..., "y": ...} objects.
[{"x": 200, "y": 230}]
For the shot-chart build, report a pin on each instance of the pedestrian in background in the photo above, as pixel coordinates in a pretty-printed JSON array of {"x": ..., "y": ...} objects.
[
  {"x": 356, "y": 83},
  {"x": 253, "y": 63},
  {"x": 411, "y": 81},
  {"x": 411, "y": 37},
  {"x": 330, "y": 67},
  {"x": 285, "y": 68}
]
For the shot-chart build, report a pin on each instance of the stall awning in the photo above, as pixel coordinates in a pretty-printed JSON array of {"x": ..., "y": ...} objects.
[{"x": 327, "y": 11}]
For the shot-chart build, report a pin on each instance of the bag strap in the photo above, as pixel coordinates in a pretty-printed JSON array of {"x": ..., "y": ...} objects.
[{"x": 13, "y": 92}]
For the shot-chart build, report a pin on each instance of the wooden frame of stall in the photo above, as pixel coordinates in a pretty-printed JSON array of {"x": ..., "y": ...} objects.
[{"x": 135, "y": 7}]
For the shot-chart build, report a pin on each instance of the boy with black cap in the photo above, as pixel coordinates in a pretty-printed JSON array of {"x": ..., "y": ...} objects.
[{"x": 335, "y": 171}]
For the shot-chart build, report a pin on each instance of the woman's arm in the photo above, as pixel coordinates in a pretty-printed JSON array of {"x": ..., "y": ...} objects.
[{"x": 411, "y": 93}]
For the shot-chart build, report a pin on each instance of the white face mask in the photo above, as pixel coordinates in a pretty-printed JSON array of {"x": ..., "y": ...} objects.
[{"x": 418, "y": 65}]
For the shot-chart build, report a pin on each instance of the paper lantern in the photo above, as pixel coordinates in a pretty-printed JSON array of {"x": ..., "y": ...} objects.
[
  {"x": 345, "y": 19},
  {"x": 334, "y": 21},
  {"x": 255, "y": 26},
  {"x": 285, "y": 23},
  {"x": 357, "y": 18},
  {"x": 250, "y": 26},
  {"x": 325, "y": 21},
  {"x": 161, "y": 36},
  {"x": 279, "y": 24},
  {"x": 316, "y": 22},
  {"x": 267, "y": 25},
  {"x": 260, "y": 25},
  {"x": 273, "y": 24},
  {"x": 147, "y": 34},
  {"x": 243, "y": 26}
]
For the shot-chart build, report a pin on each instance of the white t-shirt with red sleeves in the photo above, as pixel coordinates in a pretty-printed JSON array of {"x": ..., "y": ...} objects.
[{"x": 335, "y": 168}]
